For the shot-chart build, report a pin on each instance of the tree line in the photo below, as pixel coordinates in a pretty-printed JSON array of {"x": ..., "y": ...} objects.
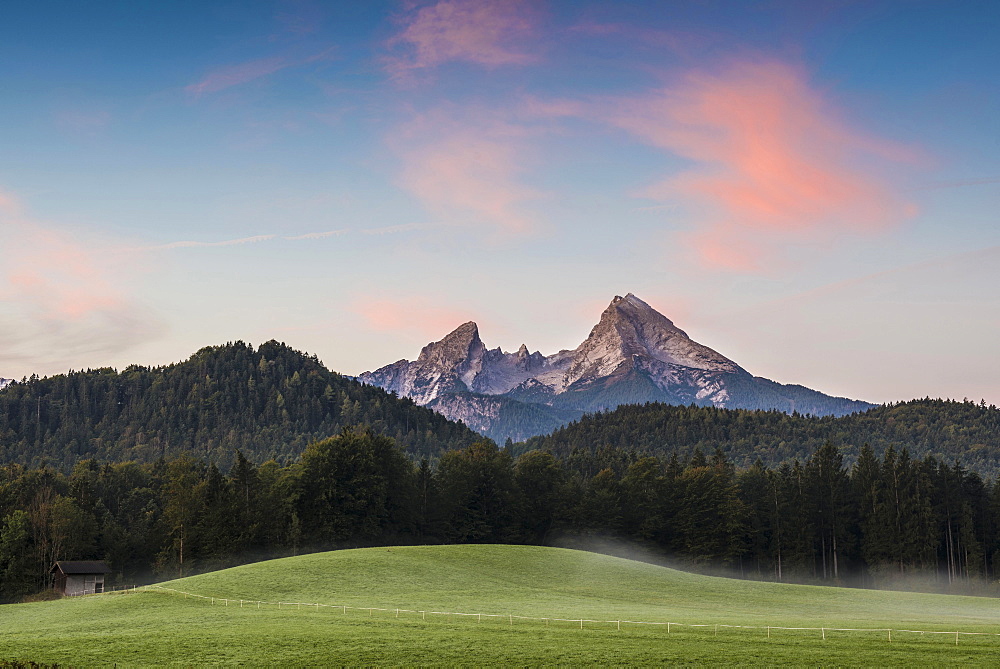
[
  {"x": 817, "y": 520},
  {"x": 269, "y": 402},
  {"x": 965, "y": 431}
]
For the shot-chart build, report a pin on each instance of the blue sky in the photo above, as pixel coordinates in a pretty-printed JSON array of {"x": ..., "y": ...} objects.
[{"x": 809, "y": 188}]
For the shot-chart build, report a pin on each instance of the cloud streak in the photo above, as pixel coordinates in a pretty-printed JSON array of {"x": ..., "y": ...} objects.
[
  {"x": 228, "y": 242},
  {"x": 490, "y": 33},
  {"x": 228, "y": 76},
  {"x": 771, "y": 158},
  {"x": 317, "y": 235}
]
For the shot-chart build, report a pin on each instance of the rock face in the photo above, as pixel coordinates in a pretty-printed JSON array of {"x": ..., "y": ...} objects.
[
  {"x": 458, "y": 363},
  {"x": 633, "y": 355}
]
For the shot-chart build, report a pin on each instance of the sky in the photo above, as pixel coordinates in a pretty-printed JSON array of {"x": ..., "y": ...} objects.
[{"x": 810, "y": 188}]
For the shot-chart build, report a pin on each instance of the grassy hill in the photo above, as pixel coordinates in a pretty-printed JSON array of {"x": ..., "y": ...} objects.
[{"x": 159, "y": 627}]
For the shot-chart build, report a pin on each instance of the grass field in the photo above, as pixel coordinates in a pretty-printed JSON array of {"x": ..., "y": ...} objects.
[{"x": 158, "y": 627}]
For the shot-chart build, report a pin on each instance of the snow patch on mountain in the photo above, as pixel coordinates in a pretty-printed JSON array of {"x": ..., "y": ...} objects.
[{"x": 5, "y": 382}]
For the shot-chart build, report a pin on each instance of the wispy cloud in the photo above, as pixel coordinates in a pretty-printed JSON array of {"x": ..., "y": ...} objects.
[
  {"x": 237, "y": 74},
  {"x": 959, "y": 184},
  {"x": 773, "y": 159},
  {"x": 490, "y": 33},
  {"x": 318, "y": 235},
  {"x": 228, "y": 242},
  {"x": 466, "y": 167},
  {"x": 62, "y": 297},
  {"x": 233, "y": 75},
  {"x": 396, "y": 229},
  {"x": 82, "y": 122}
]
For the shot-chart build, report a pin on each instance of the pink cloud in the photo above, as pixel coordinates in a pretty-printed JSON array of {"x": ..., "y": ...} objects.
[
  {"x": 485, "y": 32},
  {"x": 60, "y": 294},
  {"x": 465, "y": 168},
  {"x": 49, "y": 271},
  {"x": 417, "y": 314},
  {"x": 772, "y": 158}
]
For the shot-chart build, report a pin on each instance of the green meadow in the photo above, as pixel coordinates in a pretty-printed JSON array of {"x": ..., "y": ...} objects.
[{"x": 156, "y": 626}]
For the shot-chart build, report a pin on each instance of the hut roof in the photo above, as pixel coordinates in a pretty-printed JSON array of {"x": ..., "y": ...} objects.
[{"x": 81, "y": 567}]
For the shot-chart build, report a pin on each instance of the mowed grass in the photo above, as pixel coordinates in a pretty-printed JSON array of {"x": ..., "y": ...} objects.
[{"x": 156, "y": 627}]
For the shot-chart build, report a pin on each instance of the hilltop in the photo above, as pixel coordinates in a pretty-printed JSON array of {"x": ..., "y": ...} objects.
[{"x": 269, "y": 402}]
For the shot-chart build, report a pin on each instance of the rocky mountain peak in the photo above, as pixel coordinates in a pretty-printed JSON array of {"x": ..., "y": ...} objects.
[
  {"x": 630, "y": 329},
  {"x": 461, "y": 344},
  {"x": 634, "y": 354}
]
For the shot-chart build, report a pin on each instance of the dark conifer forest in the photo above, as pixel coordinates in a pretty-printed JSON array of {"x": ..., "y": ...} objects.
[
  {"x": 240, "y": 454},
  {"x": 965, "y": 432},
  {"x": 885, "y": 519},
  {"x": 268, "y": 403}
]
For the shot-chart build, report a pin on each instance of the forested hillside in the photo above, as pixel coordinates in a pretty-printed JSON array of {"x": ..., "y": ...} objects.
[
  {"x": 269, "y": 403},
  {"x": 883, "y": 519},
  {"x": 965, "y": 432}
]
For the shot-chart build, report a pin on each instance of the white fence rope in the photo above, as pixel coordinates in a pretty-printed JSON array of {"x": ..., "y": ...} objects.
[{"x": 254, "y": 603}]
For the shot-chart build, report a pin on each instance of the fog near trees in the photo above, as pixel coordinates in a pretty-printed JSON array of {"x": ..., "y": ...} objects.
[{"x": 883, "y": 520}]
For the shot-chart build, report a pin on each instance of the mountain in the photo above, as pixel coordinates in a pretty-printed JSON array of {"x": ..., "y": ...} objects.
[
  {"x": 633, "y": 355},
  {"x": 269, "y": 402}
]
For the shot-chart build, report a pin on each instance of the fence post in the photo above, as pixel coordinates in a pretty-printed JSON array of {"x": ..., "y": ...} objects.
[
  {"x": 716, "y": 630},
  {"x": 619, "y": 626},
  {"x": 890, "y": 636},
  {"x": 581, "y": 623},
  {"x": 768, "y": 631},
  {"x": 511, "y": 616},
  {"x": 824, "y": 634},
  {"x": 668, "y": 628},
  {"x": 956, "y": 638}
]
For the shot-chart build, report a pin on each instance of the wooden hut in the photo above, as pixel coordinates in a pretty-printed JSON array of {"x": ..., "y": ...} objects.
[{"x": 84, "y": 577}]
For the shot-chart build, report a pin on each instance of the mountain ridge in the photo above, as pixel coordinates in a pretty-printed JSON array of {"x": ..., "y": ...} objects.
[{"x": 633, "y": 355}]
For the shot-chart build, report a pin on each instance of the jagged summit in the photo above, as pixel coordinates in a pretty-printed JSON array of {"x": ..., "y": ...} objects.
[
  {"x": 460, "y": 344},
  {"x": 634, "y": 354},
  {"x": 629, "y": 329}
]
